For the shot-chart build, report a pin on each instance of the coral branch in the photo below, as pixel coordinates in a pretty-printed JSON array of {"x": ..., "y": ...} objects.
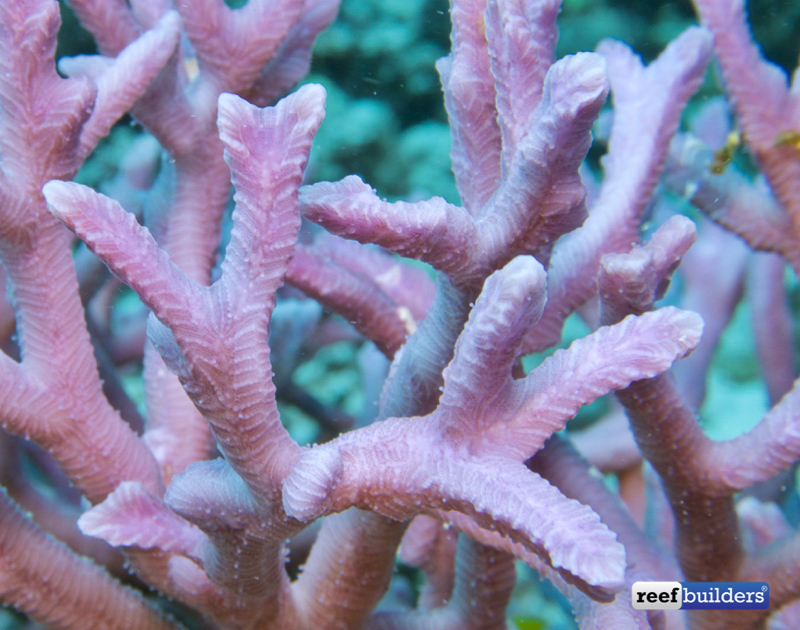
[{"x": 40, "y": 576}]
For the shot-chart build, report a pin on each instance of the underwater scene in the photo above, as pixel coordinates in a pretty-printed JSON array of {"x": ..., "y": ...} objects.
[{"x": 399, "y": 314}]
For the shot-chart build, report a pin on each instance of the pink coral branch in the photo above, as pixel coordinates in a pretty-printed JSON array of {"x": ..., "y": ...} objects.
[
  {"x": 730, "y": 199},
  {"x": 772, "y": 323},
  {"x": 43, "y": 578},
  {"x": 713, "y": 296},
  {"x": 715, "y": 469},
  {"x": 245, "y": 554},
  {"x": 133, "y": 517},
  {"x": 561, "y": 465},
  {"x": 482, "y": 592},
  {"x": 111, "y": 22},
  {"x": 348, "y": 570},
  {"x": 234, "y": 45},
  {"x": 766, "y": 108},
  {"x": 354, "y": 297},
  {"x": 110, "y": 232},
  {"x": 489, "y": 346},
  {"x": 541, "y": 196},
  {"x": 260, "y": 448},
  {"x": 402, "y": 479},
  {"x": 57, "y": 359},
  {"x": 670, "y": 334},
  {"x": 430, "y": 544},
  {"x": 698, "y": 475},
  {"x": 469, "y": 97},
  {"x": 406, "y": 285},
  {"x": 633, "y": 282},
  {"x": 119, "y": 81},
  {"x": 433, "y": 231},
  {"x": 522, "y": 40},
  {"x": 292, "y": 59}
]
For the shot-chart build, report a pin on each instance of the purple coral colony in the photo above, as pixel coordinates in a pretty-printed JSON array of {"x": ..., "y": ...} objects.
[{"x": 186, "y": 519}]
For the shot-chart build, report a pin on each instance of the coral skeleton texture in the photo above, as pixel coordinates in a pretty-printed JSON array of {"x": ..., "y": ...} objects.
[{"x": 205, "y": 511}]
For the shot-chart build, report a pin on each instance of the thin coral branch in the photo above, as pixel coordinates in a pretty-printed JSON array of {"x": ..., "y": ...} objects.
[
  {"x": 292, "y": 59},
  {"x": 712, "y": 272},
  {"x": 355, "y": 297},
  {"x": 772, "y": 323},
  {"x": 112, "y": 23},
  {"x": 430, "y": 544},
  {"x": 348, "y": 570},
  {"x": 470, "y": 97},
  {"x": 730, "y": 199},
  {"x": 119, "y": 80},
  {"x": 234, "y": 45},
  {"x": 484, "y": 580},
  {"x": 522, "y": 39},
  {"x": 407, "y": 285},
  {"x": 433, "y": 231}
]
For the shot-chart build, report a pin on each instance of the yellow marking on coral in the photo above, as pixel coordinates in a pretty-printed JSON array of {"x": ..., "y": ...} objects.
[
  {"x": 789, "y": 138},
  {"x": 724, "y": 155}
]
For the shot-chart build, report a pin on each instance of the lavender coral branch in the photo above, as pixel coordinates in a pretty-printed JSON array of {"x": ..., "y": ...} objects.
[
  {"x": 370, "y": 470},
  {"x": 196, "y": 315},
  {"x": 647, "y": 105},
  {"x": 523, "y": 215},
  {"x": 256, "y": 52}
]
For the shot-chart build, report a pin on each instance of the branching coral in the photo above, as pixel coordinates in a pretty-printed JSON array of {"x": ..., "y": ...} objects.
[{"x": 203, "y": 501}]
